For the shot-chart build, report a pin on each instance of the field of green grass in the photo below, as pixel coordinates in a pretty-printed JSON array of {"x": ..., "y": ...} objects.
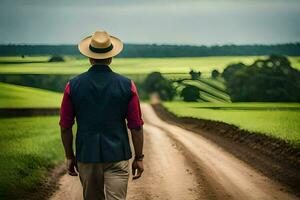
[
  {"x": 171, "y": 66},
  {"x": 15, "y": 96},
  {"x": 29, "y": 147},
  {"x": 280, "y": 120}
]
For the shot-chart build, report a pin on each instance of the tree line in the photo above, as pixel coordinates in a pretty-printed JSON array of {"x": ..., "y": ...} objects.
[
  {"x": 266, "y": 80},
  {"x": 153, "y": 50}
]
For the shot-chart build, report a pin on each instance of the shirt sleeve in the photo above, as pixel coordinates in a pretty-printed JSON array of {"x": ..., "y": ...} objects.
[
  {"x": 67, "y": 114},
  {"x": 134, "y": 114}
]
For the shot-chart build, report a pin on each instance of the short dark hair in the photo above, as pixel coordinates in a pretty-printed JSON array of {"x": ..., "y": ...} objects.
[{"x": 105, "y": 61}]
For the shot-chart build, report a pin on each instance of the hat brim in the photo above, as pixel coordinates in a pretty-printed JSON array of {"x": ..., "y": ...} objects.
[{"x": 84, "y": 49}]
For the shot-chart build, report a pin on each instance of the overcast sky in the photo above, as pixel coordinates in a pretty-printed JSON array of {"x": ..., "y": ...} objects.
[{"x": 200, "y": 22}]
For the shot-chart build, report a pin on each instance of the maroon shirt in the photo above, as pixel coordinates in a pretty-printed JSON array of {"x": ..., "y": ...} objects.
[{"x": 133, "y": 115}]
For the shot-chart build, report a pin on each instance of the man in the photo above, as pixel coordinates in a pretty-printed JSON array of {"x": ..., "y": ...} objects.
[{"x": 101, "y": 100}]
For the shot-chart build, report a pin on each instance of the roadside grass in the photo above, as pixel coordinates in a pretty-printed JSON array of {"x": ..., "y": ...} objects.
[
  {"x": 15, "y": 96},
  {"x": 30, "y": 146},
  {"x": 279, "y": 120}
]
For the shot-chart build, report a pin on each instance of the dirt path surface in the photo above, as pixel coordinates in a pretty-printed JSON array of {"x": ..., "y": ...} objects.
[{"x": 180, "y": 164}]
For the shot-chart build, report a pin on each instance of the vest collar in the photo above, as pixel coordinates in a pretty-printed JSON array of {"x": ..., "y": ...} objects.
[{"x": 100, "y": 68}]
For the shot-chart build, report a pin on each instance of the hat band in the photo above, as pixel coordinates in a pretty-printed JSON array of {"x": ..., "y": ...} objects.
[{"x": 101, "y": 50}]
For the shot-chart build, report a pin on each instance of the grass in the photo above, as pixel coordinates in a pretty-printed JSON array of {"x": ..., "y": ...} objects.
[
  {"x": 129, "y": 65},
  {"x": 218, "y": 94},
  {"x": 29, "y": 147},
  {"x": 215, "y": 83},
  {"x": 18, "y": 59},
  {"x": 280, "y": 120},
  {"x": 211, "y": 90},
  {"x": 14, "y": 96}
]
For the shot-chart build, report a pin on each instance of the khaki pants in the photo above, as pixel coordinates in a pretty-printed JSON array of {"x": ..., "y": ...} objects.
[{"x": 104, "y": 180}]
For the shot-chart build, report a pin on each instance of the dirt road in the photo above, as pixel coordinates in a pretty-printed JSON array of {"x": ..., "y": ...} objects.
[{"x": 180, "y": 164}]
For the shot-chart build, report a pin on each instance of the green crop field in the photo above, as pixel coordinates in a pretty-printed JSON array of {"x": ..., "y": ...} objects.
[
  {"x": 29, "y": 147},
  {"x": 14, "y": 96},
  {"x": 39, "y": 65},
  {"x": 280, "y": 120}
]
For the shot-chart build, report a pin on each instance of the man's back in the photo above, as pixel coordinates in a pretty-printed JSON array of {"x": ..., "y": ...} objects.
[{"x": 100, "y": 98}]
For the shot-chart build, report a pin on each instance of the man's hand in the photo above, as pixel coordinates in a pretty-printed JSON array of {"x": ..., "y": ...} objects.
[
  {"x": 137, "y": 169},
  {"x": 67, "y": 139},
  {"x": 137, "y": 140},
  {"x": 71, "y": 166}
]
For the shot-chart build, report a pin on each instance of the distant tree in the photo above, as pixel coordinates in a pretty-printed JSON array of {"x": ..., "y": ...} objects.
[
  {"x": 56, "y": 59},
  {"x": 231, "y": 69},
  {"x": 194, "y": 74},
  {"x": 215, "y": 73},
  {"x": 155, "y": 82},
  {"x": 190, "y": 93},
  {"x": 268, "y": 80},
  {"x": 23, "y": 56}
]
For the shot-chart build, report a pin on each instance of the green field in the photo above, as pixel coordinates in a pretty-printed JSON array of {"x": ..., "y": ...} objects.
[
  {"x": 137, "y": 69},
  {"x": 14, "y": 96},
  {"x": 280, "y": 120},
  {"x": 210, "y": 90},
  {"x": 127, "y": 65},
  {"x": 29, "y": 147}
]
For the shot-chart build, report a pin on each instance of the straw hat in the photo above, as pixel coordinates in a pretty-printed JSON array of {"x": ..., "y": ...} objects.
[{"x": 100, "y": 45}]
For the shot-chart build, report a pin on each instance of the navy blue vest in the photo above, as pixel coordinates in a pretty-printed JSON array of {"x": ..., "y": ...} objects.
[{"x": 100, "y": 98}]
